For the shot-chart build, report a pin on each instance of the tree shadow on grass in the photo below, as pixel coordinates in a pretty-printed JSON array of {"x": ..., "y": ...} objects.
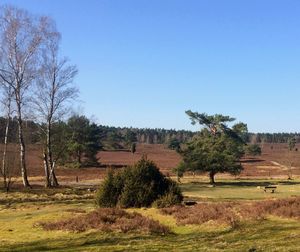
[
  {"x": 82, "y": 243},
  {"x": 245, "y": 183},
  {"x": 240, "y": 183},
  {"x": 252, "y": 160},
  {"x": 256, "y": 183},
  {"x": 10, "y": 202}
]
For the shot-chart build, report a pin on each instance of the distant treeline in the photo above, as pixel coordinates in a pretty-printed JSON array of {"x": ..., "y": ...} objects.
[
  {"x": 272, "y": 137},
  {"x": 122, "y": 137},
  {"x": 31, "y": 131},
  {"x": 112, "y": 137}
]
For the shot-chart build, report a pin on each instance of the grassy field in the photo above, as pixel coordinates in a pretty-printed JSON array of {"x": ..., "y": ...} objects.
[
  {"x": 20, "y": 211},
  {"x": 229, "y": 189}
]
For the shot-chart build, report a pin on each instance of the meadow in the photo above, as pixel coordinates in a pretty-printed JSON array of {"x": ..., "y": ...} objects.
[{"x": 22, "y": 210}]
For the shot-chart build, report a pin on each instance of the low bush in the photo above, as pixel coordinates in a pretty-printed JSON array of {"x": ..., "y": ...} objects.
[
  {"x": 137, "y": 186},
  {"x": 286, "y": 208},
  {"x": 222, "y": 213},
  {"x": 108, "y": 220},
  {"x": 170, "y": 198},
  {"x": 233, "y": 213}
]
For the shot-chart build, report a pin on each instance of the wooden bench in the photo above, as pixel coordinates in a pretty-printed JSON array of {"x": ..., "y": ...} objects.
[{"x": 270, "y": 188}]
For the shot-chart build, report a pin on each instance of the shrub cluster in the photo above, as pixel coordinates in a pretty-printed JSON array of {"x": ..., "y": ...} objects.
[
  {"x": 140, "y": 185},
  {"x": 108, "y": 220}
]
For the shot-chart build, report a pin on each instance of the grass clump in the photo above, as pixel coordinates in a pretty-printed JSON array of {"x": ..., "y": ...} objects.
[
  {"x": 108, "y": 220},
  {"x": 138, "y": 186}
]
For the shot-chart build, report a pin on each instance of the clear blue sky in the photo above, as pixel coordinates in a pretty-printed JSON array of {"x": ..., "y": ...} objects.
[{"x": 143, "y": 63}]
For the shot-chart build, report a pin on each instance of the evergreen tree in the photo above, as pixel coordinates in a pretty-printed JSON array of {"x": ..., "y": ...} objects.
[
  {"x": 84, "y": 140},
  {"x": 217, "y": 148},
  {"x": 133, "y": 148}
]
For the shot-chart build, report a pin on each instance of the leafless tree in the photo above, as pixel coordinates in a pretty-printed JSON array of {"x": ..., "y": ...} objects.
[
  {"x": 21, "y": 39},
  {"x": 54, "y": 91}
]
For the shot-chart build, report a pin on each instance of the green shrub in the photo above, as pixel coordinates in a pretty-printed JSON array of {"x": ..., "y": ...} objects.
[
  {"x": 137, "y": 186},
  {"x": 172, "y": 197},
  {"x": 107, "y": 195}
]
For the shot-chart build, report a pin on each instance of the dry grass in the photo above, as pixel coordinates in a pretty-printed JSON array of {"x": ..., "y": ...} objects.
[
  {"x": 286, "y": 208},
  {"x": 233, "y": 213},
  {"x": 108, "y": 220},
  {"x": 165, "y": 158},
  {"x": 221, "y": 213}
]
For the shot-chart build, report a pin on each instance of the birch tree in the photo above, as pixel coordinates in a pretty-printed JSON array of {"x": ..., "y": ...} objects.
[
  {"x": 21, "y": 39},
  {"x": 54, "y": 91}
]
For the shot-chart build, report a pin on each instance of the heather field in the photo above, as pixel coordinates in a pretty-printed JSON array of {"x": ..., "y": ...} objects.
[{"x": 274, "y": 163}]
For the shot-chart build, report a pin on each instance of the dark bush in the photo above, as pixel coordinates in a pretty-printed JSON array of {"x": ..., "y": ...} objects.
[
  {"x": 110, "y": 190},
  {"x": 172, "y": 197},
  {"x": 137, "y": 186}
]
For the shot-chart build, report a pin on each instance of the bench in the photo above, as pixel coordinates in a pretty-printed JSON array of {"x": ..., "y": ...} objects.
[{"x": 270, "y": 188}]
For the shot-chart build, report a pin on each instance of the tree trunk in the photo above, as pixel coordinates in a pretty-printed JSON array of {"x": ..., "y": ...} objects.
[
  {"x": 46, "y": 168},
  {"x": 79, "y": 157},
  {"x": 4, "y": 168},
  {"x": 212, "y": 178},
  {"x": 53, "y": 178},
  {"x": 51, "y": 163},
  {"x": 49, "y": 147},
  {"x": 22, "y": 145}
]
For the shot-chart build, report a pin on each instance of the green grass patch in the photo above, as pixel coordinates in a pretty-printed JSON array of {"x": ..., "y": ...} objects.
[{"x": 239, "y": 189}]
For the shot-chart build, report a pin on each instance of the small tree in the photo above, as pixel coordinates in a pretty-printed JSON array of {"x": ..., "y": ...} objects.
[
  {"x": 291, "y": 147},
  {"x": 179, "y": 170},
  {"x": 217, "y": 148},
  {"x": 133, "y": 148},
  {"x": 84, "y": 139},
  {"x": 292, "y": 143}
]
